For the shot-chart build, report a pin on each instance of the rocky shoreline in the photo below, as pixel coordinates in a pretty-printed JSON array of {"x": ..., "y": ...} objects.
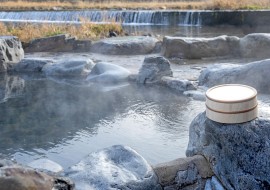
[{"x": 219, "y": 156}]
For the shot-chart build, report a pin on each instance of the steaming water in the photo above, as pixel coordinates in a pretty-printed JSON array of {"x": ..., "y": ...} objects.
[{"x": 42, "y": 118}]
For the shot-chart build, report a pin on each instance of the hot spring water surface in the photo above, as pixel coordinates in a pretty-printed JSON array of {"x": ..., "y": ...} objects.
[{"x": 45, "y": 119}]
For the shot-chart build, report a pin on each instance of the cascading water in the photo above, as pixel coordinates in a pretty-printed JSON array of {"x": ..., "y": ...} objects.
[
  {"x": 192, "y": 19},
  {"x": 189, "y": 18}
]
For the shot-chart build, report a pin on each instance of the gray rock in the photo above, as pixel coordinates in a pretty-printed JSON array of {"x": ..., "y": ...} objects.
[
  {"x": 11, "y": 51},
  {"x": 237, "y": 153},
  {"x": 215, "y": 184},
  {"x": 117, "y": 167},
  {"x": 196, "y": 48},
  {"x": 108, "y": 73},
  {"x": 195, "y": 94},
  {"x": 71, "y": 68},
  {"x": 178, "y": 84},
  {"x": 46, "y": 165},
  {"x": 30, "y": 65},
  {"x": 183, "y": 172},
  {"x": 255, "y": 45},
  {"x": 58, "y": 43},
  {"x": 129, "y": 45},
  {"x": 16, "y": 177},
  {"x": 255, "y": 74},
  {"x": 153, "y": 69}
]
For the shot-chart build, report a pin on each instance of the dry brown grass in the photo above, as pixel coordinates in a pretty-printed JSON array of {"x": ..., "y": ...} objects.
[
  {"x": 154, "y": 4},
  {"x": 27, "y": 31},
  {"x": 238, "y": 4},
  {"x": 23, "y": 5}
]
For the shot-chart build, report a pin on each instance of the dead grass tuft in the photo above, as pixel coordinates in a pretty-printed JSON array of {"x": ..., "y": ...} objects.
[
  {"x": 86, "y": 30},
  {"x": 150, "y": 4}
]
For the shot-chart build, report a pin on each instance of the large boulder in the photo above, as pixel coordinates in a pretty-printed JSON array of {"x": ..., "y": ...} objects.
[
  {"x": 30, "y": 65},
  {"x": 18, "y": 177},
  {"x": 196, "y": 48},
  {"x": 69, "y": 68},
  {"x": 255, "y": 45},
  {"x": 255, "y": 74},
  {"x": 108, "y": 73},
  {"x": 153, "y": 69},
  {"x": 58, "y": 43},
  {"x": 131, "y": 45},
  {"x": 11, "y": 52},
  {"x": 238, "y": 153},
  {"x": 184, "y": 172},
  {"x": 117, "y": 167}
]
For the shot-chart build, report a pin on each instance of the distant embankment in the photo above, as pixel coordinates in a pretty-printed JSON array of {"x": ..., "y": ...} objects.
[{"x": 143, "y": 17}]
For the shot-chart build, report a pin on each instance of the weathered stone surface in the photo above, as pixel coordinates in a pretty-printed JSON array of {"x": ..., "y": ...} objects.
[
  {"x": 131, "y": 45},
  {"x": 255, "y": 74},
  {"x": 58, "y": 43},
  {"x": 178, "y": 84},
  {"x": 255, "y": 45},
  {"x": 46, "y": 165},
  {"x": 108, "y": 73},
  {"x": 153, "y": 69},
  {"x": 71, "y": 68},
  {"x": 30, "y": 65},
  {"x": 238, "y": 153},
  {"x": 196, "y": 48},
  {"x": 117, "y": 167},
  {"x": 213, "y": 184},
  {"x": 195, "y": 94},
  {"x": 19, "y": 178},
  {"x": 183, "y": 172},
  {"x": 11, "y": 51}
]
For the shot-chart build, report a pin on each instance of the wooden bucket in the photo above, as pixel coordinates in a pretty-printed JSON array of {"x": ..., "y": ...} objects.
[{"x": 231, "y": 103}]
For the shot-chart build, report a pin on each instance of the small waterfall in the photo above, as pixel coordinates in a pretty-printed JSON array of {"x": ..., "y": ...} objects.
[
  {"x": 141, "y": 17},
  {"x": 192, "y": 19}
]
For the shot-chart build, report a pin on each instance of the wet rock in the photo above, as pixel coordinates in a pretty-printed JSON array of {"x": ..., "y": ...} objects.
[
  {"x": 196, "y": 48},
  {"x": 16, "y": 177},
  {"x": 30, "y": 65},
  {"x": 69, "y": 67},
  {"x": 116, "y": 167},
  {"x": 195, "y": 94},
  {"x": 11, "y": 52},
  {"x": 131, "y": 45},
  {"x": 153, "y": 69},
  {"x": 255, "y": 74},
  {"x": 58, "y": 43},
  {"x": 108, "y": 73},
  {"x": 255, "y": 45},
  {"x": 237, "y": 153},
  {"x": 46, "y": 165},
  {"x": 178, "y": 84},
  {"x": 183, "y": 172}
]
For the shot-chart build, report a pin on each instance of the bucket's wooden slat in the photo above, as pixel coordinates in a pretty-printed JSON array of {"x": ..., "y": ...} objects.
[{"x": 231, "y": 103}]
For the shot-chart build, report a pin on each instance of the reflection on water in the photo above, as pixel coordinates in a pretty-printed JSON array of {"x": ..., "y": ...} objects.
[
  {"x": 64, "y": 122},
  {"x": 195, "y": 31}
]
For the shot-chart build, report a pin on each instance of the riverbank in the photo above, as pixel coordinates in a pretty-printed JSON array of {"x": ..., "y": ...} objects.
[
  {"x": 146, "y": 5},
  {"x": 86, "y": 30}
]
